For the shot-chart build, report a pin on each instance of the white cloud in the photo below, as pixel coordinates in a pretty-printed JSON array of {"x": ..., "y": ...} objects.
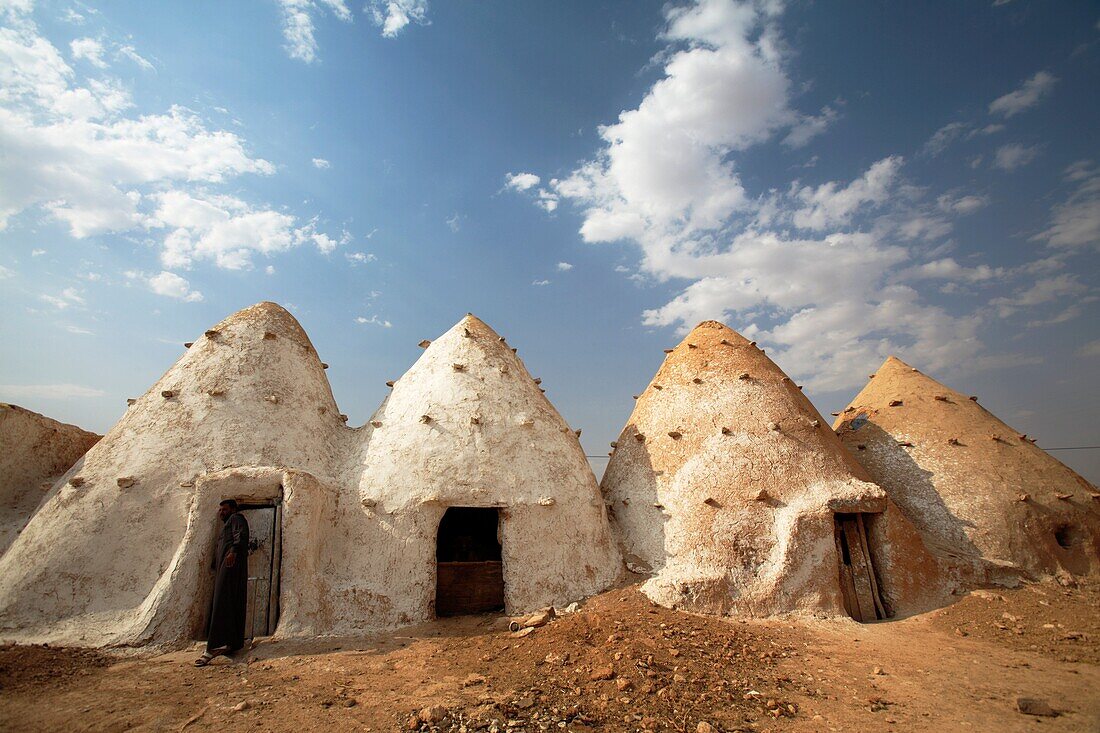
[
  {"x": 1091, "y": 349},
  {"x": 173, "y": 286},
  {"x": 943, "y": 138},
  {"x": 1014, "y": 155},
  {"x": 564, "y": 267},
  {"x": 829, "y": 206},
  {"x": 810, "y": 127},
  {"x": 521, "y": 181},
  {"x": 48, "y": 391},
  {"x": 270, "y": 269},
  {"x": 90, "y": 50},
  {"x": 77, "y": 330},
  {"x": 226, "y": 229},
  {"x": 321, "y": 163},
  {"x": 6, "y": 272},
  {"x": 455, "y": 222},
  {"x": 961, "y": 204},
  {"x": 67, "y": 297},
  {"x": 1025, "y": 97},
  {"x": 37, "y": 252},
  {"x": 373, "y": 320},
  {"x": 547, "y": 200},
  {"x": 1076, "y": 221},
  {"x": 392, "y": 16},
  {"x": 821, "y": 273},
  {"x": 1044, "y": 290},
  {"x": 948, "y": 269},
  {"x": 540, "y": 283},
  {"x": 131, "y": 53},
  {"x": 360, "y": 257},
  {"x": 298, "y": 24}
]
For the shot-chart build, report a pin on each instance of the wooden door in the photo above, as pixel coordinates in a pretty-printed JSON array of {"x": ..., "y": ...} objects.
[
  {"x": 857, "y": 570},
  {"x": 263, "y": 563}
]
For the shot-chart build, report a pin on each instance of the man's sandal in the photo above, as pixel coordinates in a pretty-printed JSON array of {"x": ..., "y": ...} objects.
[{"x": 207, "y": 657}]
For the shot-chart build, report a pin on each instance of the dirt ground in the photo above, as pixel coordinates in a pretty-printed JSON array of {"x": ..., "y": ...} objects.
[{"x": 618, "y": 664}]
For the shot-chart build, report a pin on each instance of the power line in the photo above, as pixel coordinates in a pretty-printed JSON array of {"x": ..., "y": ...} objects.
[{"x": 1076, "y": 447}]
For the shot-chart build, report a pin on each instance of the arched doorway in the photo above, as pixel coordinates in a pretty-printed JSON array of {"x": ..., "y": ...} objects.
[{"x": 469, "y": 569}]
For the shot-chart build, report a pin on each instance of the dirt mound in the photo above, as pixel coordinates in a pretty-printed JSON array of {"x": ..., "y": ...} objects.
[{"x": 1040, "y": 618}]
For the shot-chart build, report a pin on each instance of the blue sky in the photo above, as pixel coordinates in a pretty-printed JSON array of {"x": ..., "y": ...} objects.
[{"x": 837, "y": 181}]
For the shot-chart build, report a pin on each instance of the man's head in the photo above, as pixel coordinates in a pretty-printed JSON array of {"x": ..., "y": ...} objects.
[{"x": 226, "y": 508}]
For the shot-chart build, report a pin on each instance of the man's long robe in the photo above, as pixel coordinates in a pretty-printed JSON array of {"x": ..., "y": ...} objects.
[{"x": 227, "y": 611}]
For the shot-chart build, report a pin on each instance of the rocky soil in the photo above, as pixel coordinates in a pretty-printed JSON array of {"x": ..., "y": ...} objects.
[{"x": 620, "y": 663}]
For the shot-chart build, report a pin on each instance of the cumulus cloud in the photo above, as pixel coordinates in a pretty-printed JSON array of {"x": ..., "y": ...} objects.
[
  {"x": 173, "y": 286},
  {"x": 1014, "y": 155},
  {"x": 392, "y": 16},
  {"x": 360, "y": 258},
  {"x": 521, "y": 181},
  {"x": 807, "y": 128},
  {"x": 564, "y": 267},
  {"x": 825, "y": 273},
  {"x": 321, "y": 163},
  {"x": 19, "y": 392},
  {"x": 540, "y": 283},
  {"x": 298, "y": 28},
  {"x": 84, "y": 162},
  {"x": 90, "y": 50},
  {"x": 1026, "y": 97}
]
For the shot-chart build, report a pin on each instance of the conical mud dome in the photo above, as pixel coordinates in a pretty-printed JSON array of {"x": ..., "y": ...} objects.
[
  {"x": 725, "y": 482},
  {"x": 467, "y": 426},
  {"x": 36, "y": 452},
  {"x": 249, "y": 392},
  {"x": 971, "y": 484}
]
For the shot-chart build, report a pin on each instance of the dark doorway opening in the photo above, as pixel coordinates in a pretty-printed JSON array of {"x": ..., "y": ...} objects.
[
  {"x": 469, "y": 570},
  {"x": 264, "y": 561},
  {"x": 858, "y": 579}
]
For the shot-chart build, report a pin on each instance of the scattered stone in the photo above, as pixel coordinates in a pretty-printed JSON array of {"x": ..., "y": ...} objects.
[
  {"x": 1035, "y": 706},
  {"x": 433, "y": 714},
  {"x": 241, "y": 706},
  {"x": 605, "y": 672}
]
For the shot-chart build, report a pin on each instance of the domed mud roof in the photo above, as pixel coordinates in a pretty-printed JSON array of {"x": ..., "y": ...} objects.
[{"x": 966, "y": 479}]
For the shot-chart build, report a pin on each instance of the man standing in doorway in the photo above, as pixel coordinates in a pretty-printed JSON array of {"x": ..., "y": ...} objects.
[{"x": 227, "y": 611}]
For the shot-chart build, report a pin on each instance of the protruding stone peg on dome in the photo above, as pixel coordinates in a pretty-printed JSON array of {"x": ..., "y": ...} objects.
[
  {"x": 458, "y": 367},
  {"x": 896, "y": 403},
  {"x": 324, "y": 365},
  {"x": 692, "y": 346},
  {"x": 514, "y": 350},
  {"x": 725, "y": 342},
  {"x": 953, "y": 441},
  {"x": 657, "y": 386},
  {"x": 125, "y": 482},
  {"x": 424, "y": 344},
  {"x": 640, "y": 437},
  {"x": 726, "y": 431},
  {"x": 389, "y": 383},
  {"x": 538, "y": 380},
  {"x": 870, "y": 376},
  {"x": 696, "y": 380},
  {"x": 669, "y": 351},
  {"x": 905, "y": 443},
  {"x": 188, "y": 344},
  {"x": 752, "y": 343},
  {"x": 269, "y": 335},
  {"x": 212, "y": 333},
  {"x": 614, "y": 444},
  {"x": 215, "y": 392},
  {"x": 1023, "y": 497},
  {"x": 1022, "y": 436},
  {"x": 425, "y": 419},
  {"x": 744, "y": 376},
  {"x": 272, "y": 398},
  {"x": 940, "y": 398},
  {"x": 1063, "y": 497},
  {"x": 577, "y": 432},
  {"x": 368, "y": 503},
  {"x": 762, "y": 495},
  {"x": 634, "y": 397},
  {"x": 187, "y": 484},
  {"x": 131, "y": 401},
  {"x": 546, "y": 501},
  {"x": 815, "y": 423},
  {"x": 475, "y": 419},
  {"x": 376, "y": 423},
  {"x": 773, "y": 426},
  {"x": 343, "y": 417},
  {"x": 503, "y": 368},
  {"x": 76, "y": 482},
  {"x": 835, "y": 414},
  {"x": 861, "y": 446},
  {"x": 785, "y": 380},
  {"x": 675, "y": 434},
  {"x": 973, "y": 398},
  {"x": 168, "y": 394},
  {"x": 466, "y": 332}
]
